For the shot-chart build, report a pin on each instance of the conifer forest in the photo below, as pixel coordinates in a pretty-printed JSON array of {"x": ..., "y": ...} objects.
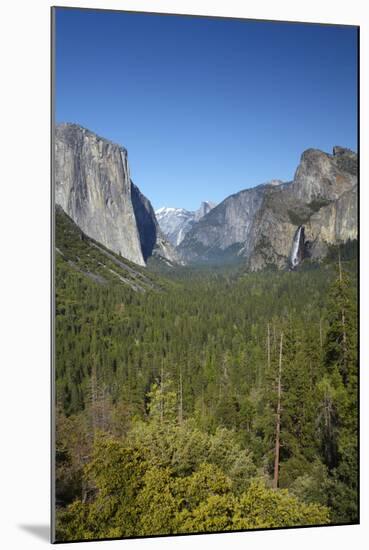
[{"x": 203, "y": 399}]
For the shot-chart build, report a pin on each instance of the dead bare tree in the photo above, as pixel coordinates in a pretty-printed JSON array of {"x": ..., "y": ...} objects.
[
  {"x": 180, "y": 406},
  {"x": 278, "y": 416}
]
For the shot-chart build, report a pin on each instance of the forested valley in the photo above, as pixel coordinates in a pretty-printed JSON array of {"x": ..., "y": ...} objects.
[{"x": 215, "y": 400}]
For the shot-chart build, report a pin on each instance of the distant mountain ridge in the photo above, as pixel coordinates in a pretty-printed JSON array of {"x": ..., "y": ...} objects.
[
  {"x": 276, "y": 223},
  {"x": 176, "y": 222}
]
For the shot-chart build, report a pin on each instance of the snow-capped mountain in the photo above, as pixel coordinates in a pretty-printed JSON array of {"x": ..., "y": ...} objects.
[{"x": 176, "y": 222}]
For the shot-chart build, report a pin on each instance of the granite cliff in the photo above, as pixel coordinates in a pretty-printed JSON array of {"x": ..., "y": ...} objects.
[
  {"x": 93, "y": 186},
  {"x": 258, "y": 225}
]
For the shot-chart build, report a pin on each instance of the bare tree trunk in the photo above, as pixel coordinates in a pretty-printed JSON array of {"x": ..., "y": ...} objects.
[
  {"x": 180, "y": 412},
  {"x": 268, "y": 347},
  {"x": 278, "y": 420},
  {"x": 94, "y": 391},
  {"x": 105, "y": 407},
  {"x": 162, "y": 394},
  {"x": 343, "y": 320},
  {"x": 225, "y": 367},
  {"x": 223, "y": 378}
]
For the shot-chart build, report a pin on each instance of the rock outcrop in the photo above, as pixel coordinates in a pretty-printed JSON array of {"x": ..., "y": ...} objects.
[
  {"x": 320, "y": 175},
  {"x": 204, "y": 209},
  {"x": 226, "y": 230},
  {"x": 259, "y": 224},
  {"x": 93, "y": 186}
]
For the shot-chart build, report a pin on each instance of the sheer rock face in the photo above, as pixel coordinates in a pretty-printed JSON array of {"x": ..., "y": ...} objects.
[
  {"x": 338, "y": 221},
  {"x": 146, "y": 221},
  {"x": 227, "y": 225},
  {"x": 204, "y": 209},
  {"x": 259, "y": 224},
  {"x": 93, "y": 186},
  {"x": 322, "y": 198},
  {"x": 153, "y": 241}
]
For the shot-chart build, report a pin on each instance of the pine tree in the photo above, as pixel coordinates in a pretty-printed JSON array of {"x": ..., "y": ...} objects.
[{"x": 342, "y": 384}]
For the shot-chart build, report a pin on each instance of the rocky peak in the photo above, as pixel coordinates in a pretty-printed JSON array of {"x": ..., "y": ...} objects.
[
  {"x": 275, "y": 183},
  {"x": 321, "y": 176},
  {"x": 346, "y": 159},
  {"x": 205, "y": 207},
  {"x": 339, "y": 151}
]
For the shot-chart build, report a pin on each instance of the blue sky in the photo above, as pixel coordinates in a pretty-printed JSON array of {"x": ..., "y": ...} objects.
[{"x": 206, "y": 107}]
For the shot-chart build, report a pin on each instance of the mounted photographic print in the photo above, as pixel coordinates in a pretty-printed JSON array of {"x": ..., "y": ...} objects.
[{"x": 205, "y": 282}]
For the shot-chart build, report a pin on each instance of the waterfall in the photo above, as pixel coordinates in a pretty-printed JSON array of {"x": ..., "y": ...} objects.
[{"x": 296, "y": 253}]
